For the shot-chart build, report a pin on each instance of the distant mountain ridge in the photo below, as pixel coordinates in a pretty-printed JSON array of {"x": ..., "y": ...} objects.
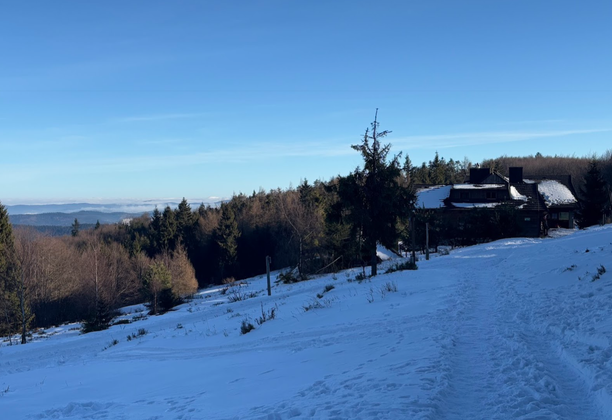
[
  {"x": 63, "y": 214},
  {"x": 76, "y": 207},
  {"x": 132, "y": 207},
  {"x": 66, "y": 219}
]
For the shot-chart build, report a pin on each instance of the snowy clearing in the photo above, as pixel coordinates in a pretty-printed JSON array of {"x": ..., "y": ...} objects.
[
  {"x": 432, "y": 197},
  {"x": 514, "y": 329}
]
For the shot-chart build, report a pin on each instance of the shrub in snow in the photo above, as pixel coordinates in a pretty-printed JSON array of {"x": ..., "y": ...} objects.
[
  {"x": 168, "y": 300},
  {"x": 327, "y": 288},
  {"x": 140, "y": 333},
  {"x": 99, "y": 320},
  {"x": 360, "y": 277},
  {"x": 314, "y": 304},
  {"x": 287, "y": 277},
  {"x": 370, "y": 296},
  {"x": 266, "y": 315},
  {"x": 111, "y": 344},
  {"x": 139, "y": 317},
  {"x": 408, "y": 265},
  {"x": 229, "y": 282},
  {"x": 390, "y": 286},
  {"x": 600, "y": 271},
  {"x": 237, "y": 295},
  {"x": 246, "y": 327}
]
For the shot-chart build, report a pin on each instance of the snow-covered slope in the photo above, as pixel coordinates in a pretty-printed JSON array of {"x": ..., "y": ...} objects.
[{"x": 515, "y": 329}]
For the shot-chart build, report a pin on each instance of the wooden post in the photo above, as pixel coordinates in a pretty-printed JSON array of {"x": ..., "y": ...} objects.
[
  {"x": 413, "y": 258},
  {"x": 268, "y": 261},
  {"x": 427, "y": 241}
]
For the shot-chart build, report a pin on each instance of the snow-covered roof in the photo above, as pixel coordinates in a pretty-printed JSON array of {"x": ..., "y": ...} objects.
[
  {"x": 516, "y": 195},
  {"x": 476, "y": 205},
  {"x": 555, "y": 193},
  {"x": 432, "y": 197},
  {"x": 477, "y": 186}
]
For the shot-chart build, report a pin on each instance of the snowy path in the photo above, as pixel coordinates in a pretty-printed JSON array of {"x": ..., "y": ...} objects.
[
  {"x": 501, "y": 367},
  {"x": 473, "y": 343}
]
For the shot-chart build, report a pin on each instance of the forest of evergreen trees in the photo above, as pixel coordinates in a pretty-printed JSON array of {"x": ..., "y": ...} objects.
[{"x": 317, "y": 227}]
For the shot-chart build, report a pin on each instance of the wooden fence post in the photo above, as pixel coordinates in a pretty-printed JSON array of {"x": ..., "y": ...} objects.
[
  {"x": 268, "y": 261},
  {"x": 427, "y": 241}
]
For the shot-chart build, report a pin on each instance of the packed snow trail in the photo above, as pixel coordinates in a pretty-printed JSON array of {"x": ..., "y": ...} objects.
[
  {"x": 500, "y": 366},
  {"x": 515, "y": 329},
  {"x": 473, "y": 343}
]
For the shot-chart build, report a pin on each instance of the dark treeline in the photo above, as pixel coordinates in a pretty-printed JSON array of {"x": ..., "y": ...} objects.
[
  {"x": 439, "y": 171},
  {"x": 541, "y": 165},
  {"x": 442, "y": 171}
]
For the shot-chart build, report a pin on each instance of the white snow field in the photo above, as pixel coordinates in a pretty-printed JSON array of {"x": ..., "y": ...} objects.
[{"x": 514, "y": 329}]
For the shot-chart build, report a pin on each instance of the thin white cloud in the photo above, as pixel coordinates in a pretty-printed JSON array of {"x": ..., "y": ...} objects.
[
  {"x": 239, "y": 154},
  {"x": 529, "y": 122},
  {"x": 159, "y": 117},
  {"x": 475, "y": 139},
  {"x": 274, "y": 151},
  {"x": 161, "y": 142}
]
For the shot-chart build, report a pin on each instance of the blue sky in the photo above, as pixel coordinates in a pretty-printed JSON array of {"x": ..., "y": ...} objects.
[{"x": 157, "y": 99}]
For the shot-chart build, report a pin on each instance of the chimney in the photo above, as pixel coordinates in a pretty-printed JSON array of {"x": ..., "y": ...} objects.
[
  {"x": 477, "y": 175},
  {"x": 516, "y": 175}
]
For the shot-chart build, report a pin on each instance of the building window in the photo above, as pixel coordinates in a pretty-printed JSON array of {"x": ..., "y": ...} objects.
[
  {"x": 491, "y": 194},
  {"x": 564, "y": 215},
  {"x": 527, "y": 219},
  {"x": 554, "y": 216}
]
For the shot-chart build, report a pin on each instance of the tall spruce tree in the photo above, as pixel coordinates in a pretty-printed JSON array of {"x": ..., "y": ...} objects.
[
  {"x": 226, "y": 236},
  {"x": 168, "y": 232},
  {"x": 378, "y": 199},
  {"x": 76, "y": 227},
  {"x": 595, "y": 205},
  {"x": 9, "y": 277},
  {"x": 155, "y": 233},
  {"x": 185, "y": 221}
]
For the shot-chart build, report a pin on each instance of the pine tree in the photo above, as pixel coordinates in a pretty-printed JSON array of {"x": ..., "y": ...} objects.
[
  {"x": 185, "y": 221},
  {"x": 76, "y": 226},
  {"x": 156, "y": 280},
  {"x": 379, "y": 201},
  {"x": 155, "y": 228},
  {"x": 437, "y": 169},
  {"x": 595, "y": 203},
  {"x": 9, "y": 277},
  {"x": 168, "y": 232},
  {"x": 227, "y": 235}
]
